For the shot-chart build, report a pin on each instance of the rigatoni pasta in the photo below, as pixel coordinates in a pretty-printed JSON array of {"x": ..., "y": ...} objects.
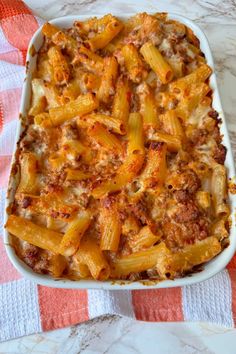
[
  {"x": 108, "y": 81},
  {"x": 101, "y": 39},
  {"x": 82, "y": 105},
  {"x": 156, "y": 61},
  {"x": 105, "y": 138},
  {"x": 28, "y": 174},
  {"x": 135, "y": 134},
  {"x": 120, "y": 168},
  {"x": 110, "y": 226},
  {"x": 60, "y": 66},
  {"x": 75, "y": 231},
  {"x": 133, "y": 63},
  {"x": 148, "y": 108},
  {"x": 92, "y": 256},
  {"x": 36, "y": 235},
  {"x": 121, "y": 101}
]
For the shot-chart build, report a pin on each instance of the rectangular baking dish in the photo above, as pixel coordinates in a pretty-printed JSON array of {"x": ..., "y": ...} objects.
[{"x": 211, "y": 268}]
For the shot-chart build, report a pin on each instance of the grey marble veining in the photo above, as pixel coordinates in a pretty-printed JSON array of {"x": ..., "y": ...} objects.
[
  {"x": 116, "y": 335},
  {"x": 211, "y": 11}
]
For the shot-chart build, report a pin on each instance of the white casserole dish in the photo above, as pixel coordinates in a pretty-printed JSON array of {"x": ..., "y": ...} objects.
[{"x": 211, "y": 268}]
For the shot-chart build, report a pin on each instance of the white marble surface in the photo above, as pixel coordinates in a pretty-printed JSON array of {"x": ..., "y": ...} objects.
[
  {"x": 116, "y": 335},
  {"x": 113, "y": 334}
]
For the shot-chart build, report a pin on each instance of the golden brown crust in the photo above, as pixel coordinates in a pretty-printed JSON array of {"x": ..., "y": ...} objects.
[{"x": 170, "y": 209}]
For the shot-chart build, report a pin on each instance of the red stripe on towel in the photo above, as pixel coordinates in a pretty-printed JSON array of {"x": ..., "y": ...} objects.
[
  {"x": 158, "y": 305},
  {"x": 62, "y": 307}
]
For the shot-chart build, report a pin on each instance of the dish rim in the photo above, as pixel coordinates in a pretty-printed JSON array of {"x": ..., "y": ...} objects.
[{"x": 212, "y": 267}]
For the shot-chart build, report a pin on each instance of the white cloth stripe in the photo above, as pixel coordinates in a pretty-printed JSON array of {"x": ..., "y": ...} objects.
[
  {"x": 19, "y": 309},
  {"x": 8, "y": 136},
  {"x": 12, "y": 75},
  {"x": 101, "y": 302},
  {"x": 209, "y": 301}
]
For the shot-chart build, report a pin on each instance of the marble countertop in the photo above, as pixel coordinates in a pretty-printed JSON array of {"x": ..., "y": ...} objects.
[
  {"x": 113, "y": 334},
  {"x": 120, "y": 335}
]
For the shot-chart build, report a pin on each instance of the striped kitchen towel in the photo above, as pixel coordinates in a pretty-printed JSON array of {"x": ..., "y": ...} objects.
[{"x": 26, "y": 308}]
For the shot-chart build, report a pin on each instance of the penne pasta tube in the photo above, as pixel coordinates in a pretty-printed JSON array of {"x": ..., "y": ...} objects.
[
  {"x": 115, "y": 44},
  {"x": 60, "y": 66},
  {"x": 192, "y": 38},
  {"x": 198, "y": 75},
  {"x": 89, "y": 59},
  {"x": 28, "y": 174},
  {"x": 121, "y": 102},
  {"x": 39, "y": 102},
  {"x": 166, "y": 100},
  {"x": 52, "y": 95},
  {"x": 219, "y": 190},
  {"x": 90, "y": 254},
  {"x": 140, "y": 261},
  {"x": 51, "y": 204},
  {"x": 148, "y": 108},
  {"x": 126, "y": 172},
  {"x": 111, "y": 123},
  {"x": 156, "y": 61},
  {"x": 71, "y": 91},
  {"x": 155, "y": 171},
  {"x": 219, "y": 229},
  {"x": 189, "y": 102},
  {"x": 144, "y": 239},
  {"x": 36, "y": 235},
  {"x": 173, "y": 143},
  {"x": 91, "y": 81},
  {"x": 57, "y": 264},
  {"x": 106, "y": 139},
  {"x": 100, "y": 40},
  {"x": 54, "y": 224},
  {"x": 110, "y": 227},
  {"x": 80, "y": 269},
  {"x": 171, "y": 124},
  {"x": 135, "y": 134},
  {"x": 84, "y": 104},
  {"x": 44, "y": 69},
  {"x": 177, "y": 66},
  {"x": 60, "y": 38},
  {"x": 108, "y": 80},
  {"x": 192, "y": 255},
  {"x": 67, "y": 42},
  {"x": 74, "y": 233},
  {"x": 133, "y": 63}
]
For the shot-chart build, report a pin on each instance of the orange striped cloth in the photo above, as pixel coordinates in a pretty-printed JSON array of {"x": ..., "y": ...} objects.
[{"x": 27, "y": 308}]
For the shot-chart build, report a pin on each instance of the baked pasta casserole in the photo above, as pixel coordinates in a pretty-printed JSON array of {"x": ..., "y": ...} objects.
[{"x": 121, "y": 164}]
